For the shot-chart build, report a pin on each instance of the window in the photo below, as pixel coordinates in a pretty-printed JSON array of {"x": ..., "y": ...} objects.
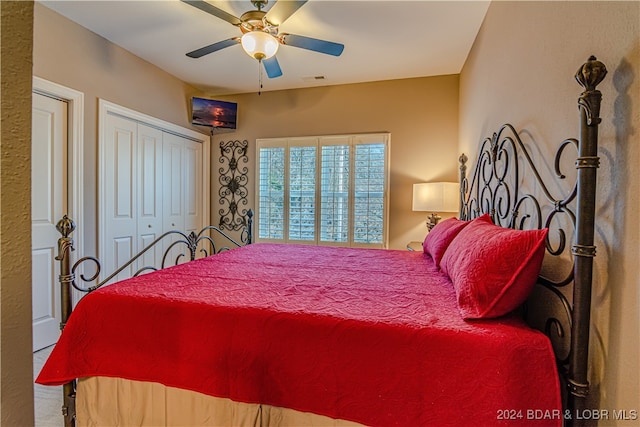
[{"x": 327, "y": 190}]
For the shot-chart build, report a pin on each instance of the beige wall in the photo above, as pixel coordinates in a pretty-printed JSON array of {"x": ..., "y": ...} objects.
[
  {"x": 521, "y": 71},
  {"x": 70, "y": 55},
  {"x": 16, "y": 369},
  {"x": 421, "y": 114}
]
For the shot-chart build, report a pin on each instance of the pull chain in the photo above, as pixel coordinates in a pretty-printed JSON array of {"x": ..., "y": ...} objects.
[{"x": 260, "y": 77}]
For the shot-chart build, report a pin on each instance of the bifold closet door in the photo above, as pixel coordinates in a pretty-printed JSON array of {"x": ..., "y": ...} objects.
[{"x": 152, "y": 182}]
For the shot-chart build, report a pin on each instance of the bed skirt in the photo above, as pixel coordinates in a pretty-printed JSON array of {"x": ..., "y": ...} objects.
[{"x": 104, "y": 401}]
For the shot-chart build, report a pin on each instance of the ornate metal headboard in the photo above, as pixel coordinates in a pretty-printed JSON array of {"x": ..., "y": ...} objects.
[{"x": 508, "y": 185}]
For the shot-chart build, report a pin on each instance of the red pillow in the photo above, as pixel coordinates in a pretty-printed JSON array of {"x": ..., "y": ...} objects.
[
  {"x": 493, "y": 269},
  {"x": 440, "y": 236}
]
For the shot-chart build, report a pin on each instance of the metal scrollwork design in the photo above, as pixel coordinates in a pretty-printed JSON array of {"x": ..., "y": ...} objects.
[
  {"x": 233, "y": 184},
  {"x": 180, "y": 247},
  {"x": 85, "y": 279},
  {"x": 494, "y": 187}
]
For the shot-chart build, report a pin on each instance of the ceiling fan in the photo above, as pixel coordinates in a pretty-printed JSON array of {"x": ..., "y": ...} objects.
[{"x": 260, "y": 34}]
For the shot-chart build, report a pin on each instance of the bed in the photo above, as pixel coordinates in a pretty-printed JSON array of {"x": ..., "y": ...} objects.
[{"x": 464, "y": 332}]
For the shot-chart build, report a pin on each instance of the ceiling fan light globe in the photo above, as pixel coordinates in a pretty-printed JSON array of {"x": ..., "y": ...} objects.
[{"x": 260, "y": 45}]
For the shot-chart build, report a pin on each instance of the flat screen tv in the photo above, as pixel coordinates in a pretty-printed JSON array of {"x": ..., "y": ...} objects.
[{"x": 213, "y": 113}]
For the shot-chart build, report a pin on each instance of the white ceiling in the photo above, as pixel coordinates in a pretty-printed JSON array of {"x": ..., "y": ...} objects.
[{"x": 383, "y": 39}]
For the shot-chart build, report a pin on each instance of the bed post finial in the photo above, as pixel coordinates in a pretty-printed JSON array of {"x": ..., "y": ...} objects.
[
  {"x": 463, "y": 162},
  {"x": 591, "y": 73},
  {"x": 65, "y": 226}
]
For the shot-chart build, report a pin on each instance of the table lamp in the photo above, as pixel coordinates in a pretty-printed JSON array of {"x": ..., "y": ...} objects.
[{"x": 436, "y": 197}]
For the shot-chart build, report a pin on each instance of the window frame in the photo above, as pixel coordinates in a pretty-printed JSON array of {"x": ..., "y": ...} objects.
[{"x": 319, "y": 141}]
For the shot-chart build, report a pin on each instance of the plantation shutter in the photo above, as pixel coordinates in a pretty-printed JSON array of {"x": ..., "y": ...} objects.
[
  {"x": 334, "y": 192},
  {"x": 302, "y": 190},
  {"x": 328, "y": 190},
  {"x": 369, "y": 190},
  {"x": 271, "y": 190}
]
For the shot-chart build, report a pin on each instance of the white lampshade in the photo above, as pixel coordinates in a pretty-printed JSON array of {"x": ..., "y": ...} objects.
[
  {"x": 436, "y": 197},
  {"x": 259, "y": 44}
]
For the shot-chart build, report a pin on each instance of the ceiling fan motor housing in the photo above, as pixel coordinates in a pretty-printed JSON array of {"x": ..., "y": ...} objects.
[{"x": 252, "y": 20}]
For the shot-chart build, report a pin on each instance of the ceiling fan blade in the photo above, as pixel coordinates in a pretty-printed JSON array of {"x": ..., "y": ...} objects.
[
  {"x": 206, "y": 7},
  {"x": 317, "y": 45},
  {"x": 282, "y": 10},
  {"x": 272, "y": 67},
  {"x": 213, "y": 47}
]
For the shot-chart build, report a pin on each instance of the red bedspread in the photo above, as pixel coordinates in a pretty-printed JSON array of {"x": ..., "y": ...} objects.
[{"x": 370, "y": 336}]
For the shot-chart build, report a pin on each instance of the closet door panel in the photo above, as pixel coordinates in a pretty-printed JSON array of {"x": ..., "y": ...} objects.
[
  {"x": 120, "y": 200},
  {"x": 173, "y": 196},
  {"x": 173, "y": 183},
  {"x": 193, "y": 186},
  {"x": 149, "y": 175}
]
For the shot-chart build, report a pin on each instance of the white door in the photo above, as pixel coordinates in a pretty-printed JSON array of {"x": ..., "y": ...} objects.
[{"x": 48, "y": 204}]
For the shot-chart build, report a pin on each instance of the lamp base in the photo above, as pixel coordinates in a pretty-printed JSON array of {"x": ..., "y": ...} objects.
[{"x": 432, "y": 220}]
